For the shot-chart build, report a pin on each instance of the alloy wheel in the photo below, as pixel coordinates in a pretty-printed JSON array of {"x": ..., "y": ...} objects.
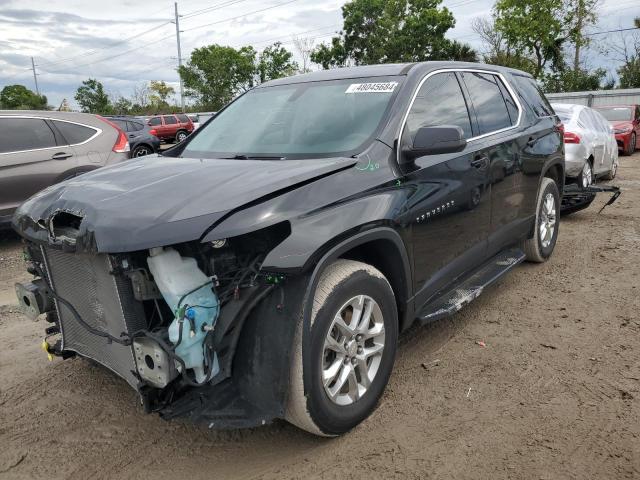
[
  {"x": 586, "y": 178},
  {"x": 352, "y": 350},
  {"x": 141, "y": 152},
  {"x": 181, "y": 137},
  {"x": 548, "y": 220}
]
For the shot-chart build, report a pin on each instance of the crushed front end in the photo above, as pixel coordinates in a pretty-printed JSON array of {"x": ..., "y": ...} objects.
[{"x": 197, "y": 329}]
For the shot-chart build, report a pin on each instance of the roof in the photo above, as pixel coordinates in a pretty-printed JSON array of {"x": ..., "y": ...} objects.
[{"x": 388, "y": 69}]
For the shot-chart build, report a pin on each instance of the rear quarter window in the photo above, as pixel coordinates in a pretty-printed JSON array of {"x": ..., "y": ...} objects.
[
  {"x": 155, "y": 121},
  {"x": 170, "y": 120},
  {"x": 183, "y": 118},
  {"x": 74, "y": 133},
  {"x": 531, "y": 94},
  {"x": 20, "y": 134}
]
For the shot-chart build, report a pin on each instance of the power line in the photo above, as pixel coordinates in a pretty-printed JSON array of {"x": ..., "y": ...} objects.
[
  {"x": 240, "y": 16},
  {"x": 218, "y": 6},
  {"x": 93, "y": 52},
  {"x": 612, "y": 31}
]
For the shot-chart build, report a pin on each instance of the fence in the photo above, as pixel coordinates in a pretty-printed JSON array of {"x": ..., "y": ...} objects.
[{"x": 629, "y": 96}]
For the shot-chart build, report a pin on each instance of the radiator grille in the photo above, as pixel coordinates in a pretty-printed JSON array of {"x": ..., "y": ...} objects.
[{"x": 102, "y": 300}]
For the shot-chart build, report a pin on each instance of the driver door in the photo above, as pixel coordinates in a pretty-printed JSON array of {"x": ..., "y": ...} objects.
[{"x": 451, "y": 202}]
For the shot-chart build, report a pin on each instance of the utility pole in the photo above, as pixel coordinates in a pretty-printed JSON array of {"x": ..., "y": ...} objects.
[
  {"x": 580, "y": 7},
  {"x": 179, "y": 56},
  {"x": 35, "y": 75}
]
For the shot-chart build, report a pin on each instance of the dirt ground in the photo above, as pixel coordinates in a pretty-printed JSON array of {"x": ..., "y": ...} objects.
[{"x": 555, "y": 393}]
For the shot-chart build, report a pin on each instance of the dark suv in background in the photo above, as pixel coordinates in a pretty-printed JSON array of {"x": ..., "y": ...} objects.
[
  {"x": 142, "y": 138},
  {"x": 38, "y": 149},
  {"x": 269, "y": 265},
  {"x": 171, "y": 128}
]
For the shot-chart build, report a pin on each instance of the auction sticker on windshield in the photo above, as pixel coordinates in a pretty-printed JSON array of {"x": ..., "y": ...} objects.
[{"x": 385, "y": 87}]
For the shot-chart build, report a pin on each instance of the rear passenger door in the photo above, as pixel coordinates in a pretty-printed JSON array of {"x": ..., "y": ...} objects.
[
  {"x": 497, "y": 113},
  {"x": 28, "y": 152},
  {"x": 451, "y": 204}
]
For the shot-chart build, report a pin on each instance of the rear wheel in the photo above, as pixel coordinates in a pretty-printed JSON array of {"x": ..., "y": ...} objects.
[
  {"x": 539, "y": 248},
  {"x": 181, "y": 136},
  {"x": 586, "y": 176},
  {"x": 141, "y": 151},
  {"x": 611, "y": 174},
  {"x": 352, "y": 346}
]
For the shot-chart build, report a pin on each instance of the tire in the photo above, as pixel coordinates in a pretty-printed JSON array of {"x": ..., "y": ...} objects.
[
  {"x": 587, "y": 176},
  {"x": 632, "y": 145},
  {"x": 181, "y": 136},
  {"x": 319, "y": 412},
  {"x": 141, "y": 151},
  {"x": 611, "y": 174},
  {"x": 539, "y": 249}
]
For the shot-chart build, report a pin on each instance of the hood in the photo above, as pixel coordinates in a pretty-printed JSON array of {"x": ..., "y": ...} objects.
[
  {"x": 622, "y": 124},
  {"x": 155, "y": 201}
]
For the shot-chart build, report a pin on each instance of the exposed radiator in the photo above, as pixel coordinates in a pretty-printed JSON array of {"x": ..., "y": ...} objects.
[{"x": 103, "y": 300}]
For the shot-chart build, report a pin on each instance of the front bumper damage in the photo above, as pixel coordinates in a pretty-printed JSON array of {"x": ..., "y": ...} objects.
[{"x": 98, "y": 307}]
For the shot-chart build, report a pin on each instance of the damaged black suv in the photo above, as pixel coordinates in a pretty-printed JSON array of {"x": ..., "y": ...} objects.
[{"x": 265, "y": 267}]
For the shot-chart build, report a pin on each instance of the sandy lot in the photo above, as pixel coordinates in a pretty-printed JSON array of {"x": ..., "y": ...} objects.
[{"x": 555, "y": 393}]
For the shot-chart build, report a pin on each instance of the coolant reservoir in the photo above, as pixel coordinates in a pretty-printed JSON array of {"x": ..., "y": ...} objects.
[{"x": 183, "y": 284}]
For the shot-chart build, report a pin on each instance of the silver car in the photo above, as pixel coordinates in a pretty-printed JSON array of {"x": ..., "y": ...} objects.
[
  {"x": 38, "y": 149},
  {"x": 591, "y": 150}
]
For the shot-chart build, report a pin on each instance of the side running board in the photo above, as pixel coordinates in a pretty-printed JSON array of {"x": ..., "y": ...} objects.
[{"x": 463, "y": 293}]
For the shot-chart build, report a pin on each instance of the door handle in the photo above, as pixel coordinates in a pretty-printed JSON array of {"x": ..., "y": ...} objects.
[
  {"x": 61, "y": 156},
  {"x": 480, "y": 162}
]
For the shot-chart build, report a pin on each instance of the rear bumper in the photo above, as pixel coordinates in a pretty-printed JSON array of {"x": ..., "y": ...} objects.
[{"x": 575, "y": 155}]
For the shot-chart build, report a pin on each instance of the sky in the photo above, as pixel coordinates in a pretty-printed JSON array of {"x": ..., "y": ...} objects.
[{"x": 124, "y": 43}]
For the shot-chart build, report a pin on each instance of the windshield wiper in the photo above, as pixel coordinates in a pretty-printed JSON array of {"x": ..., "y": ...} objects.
[{"x": 253, "y": 157}]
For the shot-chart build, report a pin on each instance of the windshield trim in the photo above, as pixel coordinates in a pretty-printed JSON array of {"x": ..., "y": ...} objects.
[{"x": 384, "y": 120}]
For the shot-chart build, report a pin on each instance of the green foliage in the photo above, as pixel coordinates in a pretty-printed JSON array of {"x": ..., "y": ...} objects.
[
  {"x": 92, "y": 98},
  {"x": 387, "y": 31},
  {"x": 19, "y": 97},
  {"x": 160, "y": 91},
  {"x": 570, "y": 80},
  {"x": 215, "y": 74},
  {"x": 534, "y": 28},
  {"x": 122, "y": 106},
  {"x": 629, "y": 73},
  {"x": 275, "y": 61}
]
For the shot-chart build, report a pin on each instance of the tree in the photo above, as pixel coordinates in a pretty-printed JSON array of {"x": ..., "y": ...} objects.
[
  {"x": 496, "y": 49},
  {"x": 92, "y": 98},
  {"x": 140, "y": 96},
  {"x": 122, "y": 106},
  {"x": 579, "y": 15},
  {"x": 386, "y": 31},
  {"x": 304, "y": 46},
  {"x": 569, "y": 80},
  {"x": 160, "y": 91},
  {"x": 19, "y": 97},
  {"x": 275, "y": 61},
  {"x": 628, "y": 52},
  {"x": 215, "y": 74}
]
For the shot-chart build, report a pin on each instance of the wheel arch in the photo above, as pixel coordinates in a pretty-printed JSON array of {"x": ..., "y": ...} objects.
[{"x": 364, "y": 247}]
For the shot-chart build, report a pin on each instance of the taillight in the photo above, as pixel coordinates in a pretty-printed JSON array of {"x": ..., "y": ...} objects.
[
  {"x": 570, "y": 137},
  {"x": 122, "y": 144},
  {"x": 153, "y": 132}
]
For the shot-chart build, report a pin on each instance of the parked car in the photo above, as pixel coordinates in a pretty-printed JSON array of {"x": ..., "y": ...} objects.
[
  {"x": 195, "y": 120},
  {"x": 38, "y": 149},
  {"x": 591, "y": 150},
  {"x": 142, "y": 138},
  {"x": 264, "y": 269},
  {"x": 171, "y": 128},
  {"x": 625, "y": 120}
]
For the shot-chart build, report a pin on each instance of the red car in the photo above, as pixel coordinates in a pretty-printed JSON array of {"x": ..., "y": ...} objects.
[
  {"x": 171, "y": 127},
  {"x": 625, "y": 120}
]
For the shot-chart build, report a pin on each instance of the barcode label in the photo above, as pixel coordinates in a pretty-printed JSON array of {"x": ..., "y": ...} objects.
[{"x": 386, "y": 87}]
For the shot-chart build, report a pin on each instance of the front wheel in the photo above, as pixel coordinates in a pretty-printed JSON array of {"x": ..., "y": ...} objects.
[
  {"x": 632, "y": 145},
  {"x": 539, "y": 248},
  {"x": 352, "y": 346}
]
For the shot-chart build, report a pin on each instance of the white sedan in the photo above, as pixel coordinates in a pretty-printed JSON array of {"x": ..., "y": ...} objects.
[{"x": 591, "y": 150}]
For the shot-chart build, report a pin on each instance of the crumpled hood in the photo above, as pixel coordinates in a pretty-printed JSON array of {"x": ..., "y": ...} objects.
[{"x": 155, "y": 201}]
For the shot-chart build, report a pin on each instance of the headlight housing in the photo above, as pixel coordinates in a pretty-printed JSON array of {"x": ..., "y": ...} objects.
[{"x": 622, "y": 130}]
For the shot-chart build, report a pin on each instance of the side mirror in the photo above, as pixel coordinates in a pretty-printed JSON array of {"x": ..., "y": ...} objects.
[{"x": 436, "y": 140}]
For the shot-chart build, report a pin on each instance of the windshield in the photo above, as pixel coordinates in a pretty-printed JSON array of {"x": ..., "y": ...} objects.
[
  {"x": 304, "y": 120},
  {"x": 616, "y": 114}
]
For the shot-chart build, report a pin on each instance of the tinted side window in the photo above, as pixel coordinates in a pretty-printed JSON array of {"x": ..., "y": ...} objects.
[
  {"x": 120, "y": 123},
  {"x": 135, "y": 126},
  {"x": 183, "y": 118},
  {"x": 155, "y": 121},
  {"x": 488, "y": 103},
  {"x": 532, "y": 95},
  {"x": 170, "y": 120},
  {"x": 511, "y": 103},
  {"x": 18, "y": 134},
  {"x": 74, "y": 133},
  {"x": 439, "y": 102}
]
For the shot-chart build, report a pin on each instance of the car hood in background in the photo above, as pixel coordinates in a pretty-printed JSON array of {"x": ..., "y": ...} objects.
[
  {"x": 155, "y": 201},
  {"x": 623, "y": 124}
]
